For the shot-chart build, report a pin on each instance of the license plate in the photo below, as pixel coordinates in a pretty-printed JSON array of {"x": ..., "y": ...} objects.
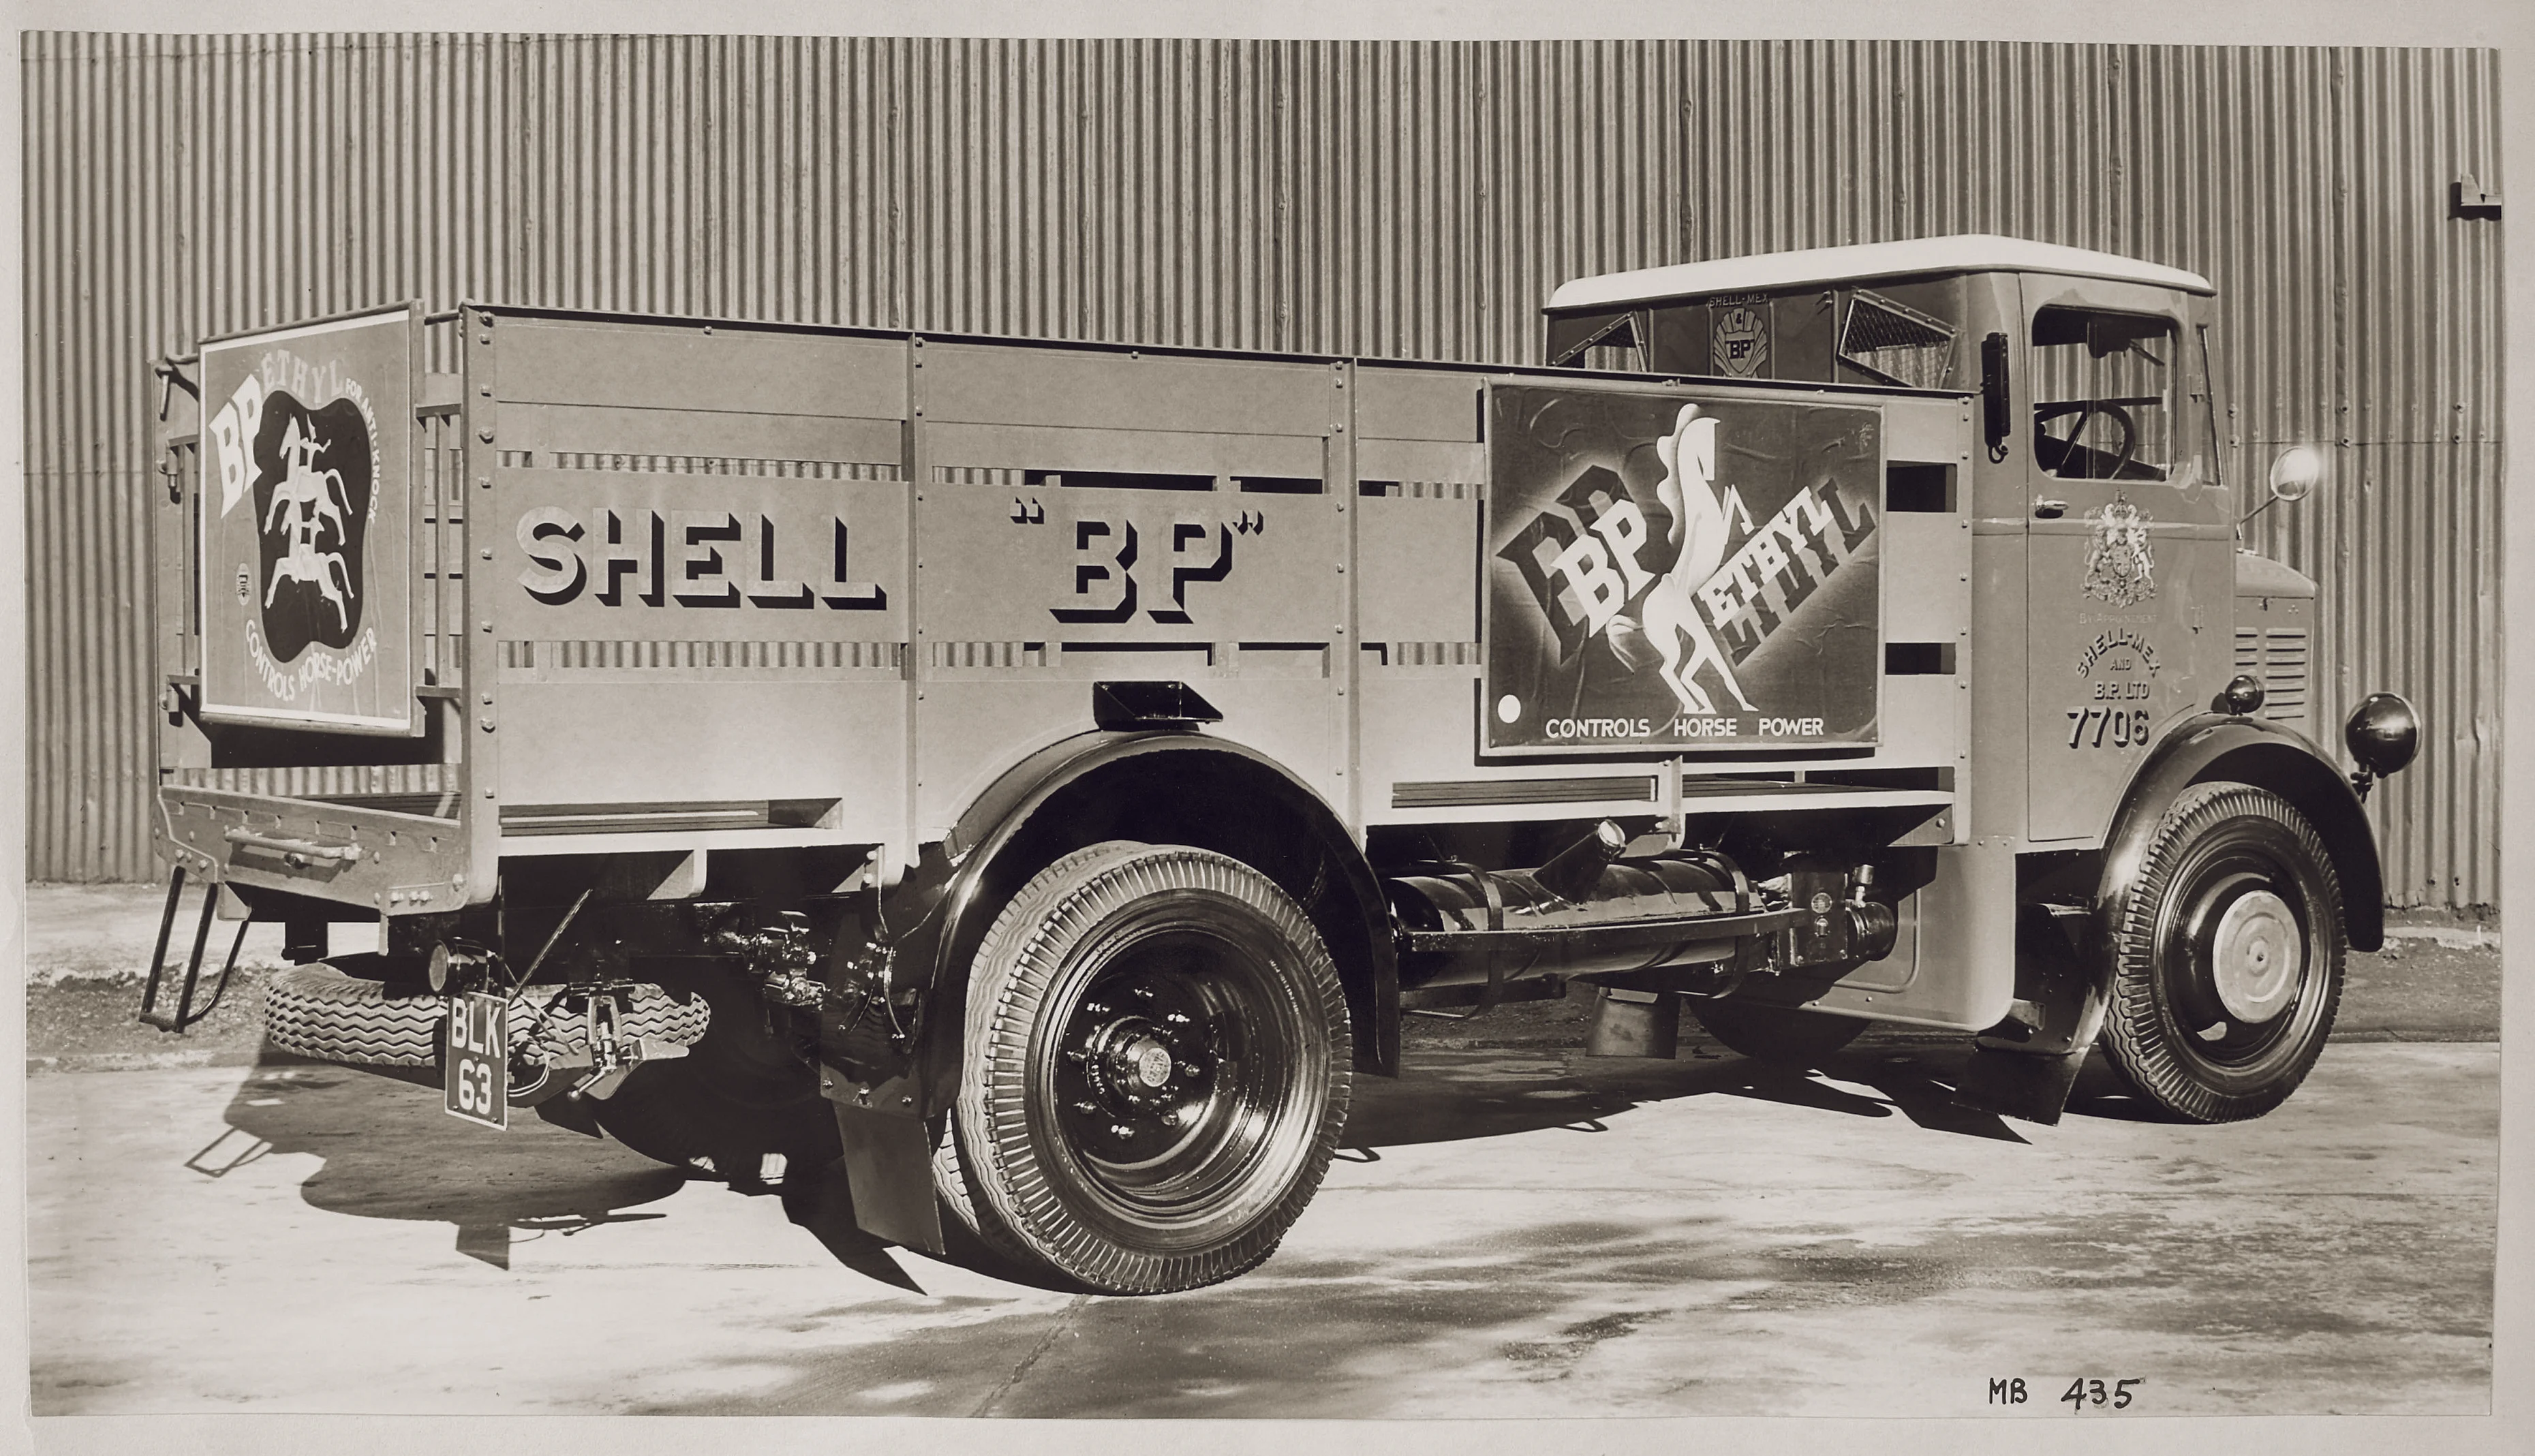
[{"x": 476, "y": 1066}]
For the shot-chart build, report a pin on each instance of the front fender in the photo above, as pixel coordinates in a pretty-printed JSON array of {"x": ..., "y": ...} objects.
[{"x": 2266, "y": 755}]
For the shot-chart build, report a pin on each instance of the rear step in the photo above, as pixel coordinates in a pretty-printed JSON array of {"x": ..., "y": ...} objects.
[{"x": 185, "y": 1015}]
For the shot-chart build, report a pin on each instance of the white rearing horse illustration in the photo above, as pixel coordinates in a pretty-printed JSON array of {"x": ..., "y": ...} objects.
[
  {"x": 1701, "y": 529},
  {"x": 306, "y": 501}
]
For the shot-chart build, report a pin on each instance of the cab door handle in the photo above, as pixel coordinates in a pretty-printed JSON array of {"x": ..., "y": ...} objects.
[{"x": 2048, "y": 510}]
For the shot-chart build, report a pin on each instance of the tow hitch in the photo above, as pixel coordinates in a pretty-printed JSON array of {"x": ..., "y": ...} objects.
[{"x": 607, "y": 1052}]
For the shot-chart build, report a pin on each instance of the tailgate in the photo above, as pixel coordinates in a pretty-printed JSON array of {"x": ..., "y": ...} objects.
[{"x": 311, "y": 607}]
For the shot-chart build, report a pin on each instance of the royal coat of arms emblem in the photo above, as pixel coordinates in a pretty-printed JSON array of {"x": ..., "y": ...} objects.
[{"x": 2120, "y": 569}]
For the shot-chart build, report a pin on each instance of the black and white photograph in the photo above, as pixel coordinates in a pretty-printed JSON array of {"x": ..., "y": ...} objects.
[{"x": 1668, "y": 729}]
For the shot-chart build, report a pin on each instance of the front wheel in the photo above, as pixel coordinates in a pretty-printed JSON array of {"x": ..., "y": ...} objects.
[
  {"x": 1158, "y": 1071},
  {"x": 2227, "y": 957}
]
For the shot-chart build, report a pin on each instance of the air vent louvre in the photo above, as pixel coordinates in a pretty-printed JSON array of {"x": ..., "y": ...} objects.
[
  {"x": 2283, "y": 674},
  {"x": 1897, "y": 344}
]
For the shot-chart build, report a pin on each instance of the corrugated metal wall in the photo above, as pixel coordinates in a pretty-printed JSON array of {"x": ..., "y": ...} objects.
[{"x": 1405, "y": 199}]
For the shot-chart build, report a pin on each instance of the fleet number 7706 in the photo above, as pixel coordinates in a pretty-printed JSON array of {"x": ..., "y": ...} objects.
[{"x": 2128, "y": 726}]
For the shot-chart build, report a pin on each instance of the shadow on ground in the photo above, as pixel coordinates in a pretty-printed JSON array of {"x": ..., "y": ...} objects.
[
  {"x": 1650, "y": 1302},
  {"x": 1468, "y": 1097},
  {"x": 1632, "y": 1305},
  {"x": 391, "y": 1151}
]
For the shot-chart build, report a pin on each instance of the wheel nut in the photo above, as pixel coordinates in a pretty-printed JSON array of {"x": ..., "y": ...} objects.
[
  {"x": 1084, "y": 1106},
  {"x": 1176, "y": 1018},
  {"x": 1121, "y": 1130}
]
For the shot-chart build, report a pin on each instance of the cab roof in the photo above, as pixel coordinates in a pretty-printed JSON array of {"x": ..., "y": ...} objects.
[{"x": 1968, "y": 252}]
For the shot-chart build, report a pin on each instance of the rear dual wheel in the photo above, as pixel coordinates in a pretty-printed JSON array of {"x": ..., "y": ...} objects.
[{"x": 1156, "y": 1074}]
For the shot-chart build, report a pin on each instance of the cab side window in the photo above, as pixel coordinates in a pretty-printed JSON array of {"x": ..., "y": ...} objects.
[{"x": 2103, "y": 394}]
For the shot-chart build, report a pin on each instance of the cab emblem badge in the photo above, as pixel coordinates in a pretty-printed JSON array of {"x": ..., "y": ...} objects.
[
  {"x": 1742, "y": 341},
  {"x": 2119, "y": 569}
]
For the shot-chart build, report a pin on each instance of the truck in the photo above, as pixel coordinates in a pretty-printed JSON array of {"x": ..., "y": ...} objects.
[{"x": 1042, "y": 774}]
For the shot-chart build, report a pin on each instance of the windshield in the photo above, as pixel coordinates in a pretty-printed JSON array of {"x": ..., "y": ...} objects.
[{"x": 2103, "y": 394}]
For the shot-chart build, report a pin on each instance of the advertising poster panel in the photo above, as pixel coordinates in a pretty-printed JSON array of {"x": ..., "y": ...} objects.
[
  {"x": 307, "y": 502},
  {"x": 1672, "y": 571}
]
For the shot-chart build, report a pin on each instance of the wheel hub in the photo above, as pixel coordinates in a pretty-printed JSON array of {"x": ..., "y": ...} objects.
[
  {"x": 1151, "y": 1062},
  {"x": 2256, "y": 956},
  {"x": 1145, "y": 1073}
]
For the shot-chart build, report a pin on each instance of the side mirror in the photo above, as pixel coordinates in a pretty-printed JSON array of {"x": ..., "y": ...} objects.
[
  {"x": 1998, "y": 417},
  {"x": 2295, "y": 472}
]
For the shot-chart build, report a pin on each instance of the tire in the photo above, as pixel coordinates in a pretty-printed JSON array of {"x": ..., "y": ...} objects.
[
  {"x": 317, "y": 1010},
  {"x": 2226, "y": 957},
  {"x": 1158, "y": 1068},
  {"x": 743, "y": 1091},
  {"x": 1786, "y": 1035}
]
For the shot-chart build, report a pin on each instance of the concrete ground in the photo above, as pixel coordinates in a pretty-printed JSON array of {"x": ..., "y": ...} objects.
[{"x": 1514, "y": 1230}]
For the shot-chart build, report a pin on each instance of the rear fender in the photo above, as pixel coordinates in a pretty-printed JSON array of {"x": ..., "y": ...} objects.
[
  {"x": 1162, "y": 787},
  {"x": 1167, "y": 787}
]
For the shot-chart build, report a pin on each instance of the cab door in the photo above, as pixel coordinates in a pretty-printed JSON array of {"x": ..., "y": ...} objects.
[{"x": 2129, "y": 541}]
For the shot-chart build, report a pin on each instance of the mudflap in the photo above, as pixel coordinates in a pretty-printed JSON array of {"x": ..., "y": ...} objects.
[
  {"x": 2028, "y": 1086},
  {"x": 889, "y": 1170},
  {"x": 2025, "y": 1067}
]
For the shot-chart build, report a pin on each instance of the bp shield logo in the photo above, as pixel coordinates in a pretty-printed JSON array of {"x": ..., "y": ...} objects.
[
  {"x": 1742, "y": 341},
  {"x": 312, "y": 508}
]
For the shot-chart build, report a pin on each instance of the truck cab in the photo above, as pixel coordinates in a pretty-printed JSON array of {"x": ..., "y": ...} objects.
[{"x": 2103, "y": 532}]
